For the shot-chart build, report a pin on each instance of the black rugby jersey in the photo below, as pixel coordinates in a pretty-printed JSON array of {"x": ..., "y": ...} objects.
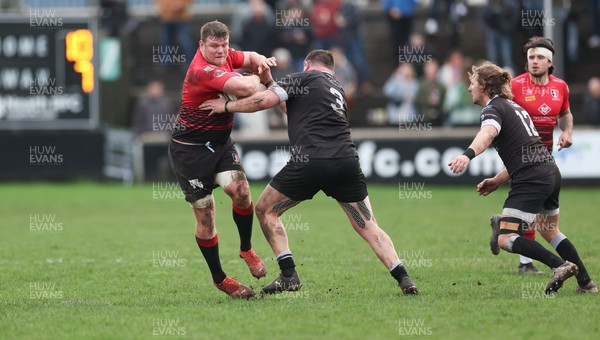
[
  {"x": 317, "y": 116},
  {"x": 518, "y": 143}
]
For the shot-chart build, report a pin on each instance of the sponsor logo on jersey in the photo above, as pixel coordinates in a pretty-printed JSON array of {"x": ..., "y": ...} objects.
[
  {"x": 554, "y": 93},
  {"x": 208, "y": 69},
  {"x": 195, "y": 183},
  {"x": 236, "y": 158},
  {"x": 529, "y": 98},
  {"x": 544, "y": 109},
  {"x": 219, "y": 73}
]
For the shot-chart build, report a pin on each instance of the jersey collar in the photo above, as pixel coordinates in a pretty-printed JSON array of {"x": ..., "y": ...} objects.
[{"x": 488, "y": 102}]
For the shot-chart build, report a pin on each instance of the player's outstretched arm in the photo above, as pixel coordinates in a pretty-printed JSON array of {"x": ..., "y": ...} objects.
[
  {"x": 258, "y": 101},
  {"x": 565, "y": 123},
  {"x": 482, "y": 141}
]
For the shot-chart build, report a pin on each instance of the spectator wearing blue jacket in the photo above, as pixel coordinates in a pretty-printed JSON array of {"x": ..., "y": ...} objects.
[{"x": 400, "y": 14}]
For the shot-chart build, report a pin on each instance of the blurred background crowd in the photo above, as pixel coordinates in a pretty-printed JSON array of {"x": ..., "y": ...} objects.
[{"x": 398, "y": 60}]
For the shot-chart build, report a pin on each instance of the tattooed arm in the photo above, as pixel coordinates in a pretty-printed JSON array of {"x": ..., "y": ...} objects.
[{"x": 258, "y": 101}]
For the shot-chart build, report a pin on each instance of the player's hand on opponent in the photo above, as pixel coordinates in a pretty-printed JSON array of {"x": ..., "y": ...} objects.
[
  {"x": 459, "y": 164},
  {"x": 565, "y": 140},
  {"x": 214, "y": 106},
  {"x": 265, "y": 64},
  {"x": 487, "y": 186}
]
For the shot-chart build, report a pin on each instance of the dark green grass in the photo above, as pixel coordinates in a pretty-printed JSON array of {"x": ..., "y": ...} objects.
[{"x": 99, "y": 280}]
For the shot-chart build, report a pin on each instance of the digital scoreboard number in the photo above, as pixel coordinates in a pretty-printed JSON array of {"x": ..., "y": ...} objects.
[{"x": 47, "y": 74}]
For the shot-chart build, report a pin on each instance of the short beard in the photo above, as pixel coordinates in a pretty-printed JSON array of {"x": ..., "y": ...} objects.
[{"x": 539, "y": 75}]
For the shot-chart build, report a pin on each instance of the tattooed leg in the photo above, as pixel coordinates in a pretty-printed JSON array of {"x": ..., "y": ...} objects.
[
  {"x": 354, "y": 214},
  {"x": 284, "y": 205},
  {"x": 362, "y": 206},
  {"x": 363, "y": 220},
  {"x": 269, "y": 207}
]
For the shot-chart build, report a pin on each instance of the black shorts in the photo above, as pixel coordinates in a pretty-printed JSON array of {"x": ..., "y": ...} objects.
[
  {"x": 196, "y": 166},
  {"x": 340, "y": 178},
  {"x": 534, "y": 189}
]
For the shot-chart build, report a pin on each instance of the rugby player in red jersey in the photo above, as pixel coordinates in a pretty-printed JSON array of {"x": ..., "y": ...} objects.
[{"x": 203, "y": 155}]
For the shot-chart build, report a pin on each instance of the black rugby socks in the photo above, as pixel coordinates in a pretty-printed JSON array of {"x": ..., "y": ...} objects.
[
  {"x": 286, "y": 264},
  {"x": 567, "y": 251},
  {"x": 243, "y": 220},
  {"x": 210, "y": 250},
  {"x": 536, "y": 251}
]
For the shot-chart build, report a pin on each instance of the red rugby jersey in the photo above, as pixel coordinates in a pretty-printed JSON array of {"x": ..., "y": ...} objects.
[
  {"x": 205, "y": 81},
  {"x": 543, "y": 103}
]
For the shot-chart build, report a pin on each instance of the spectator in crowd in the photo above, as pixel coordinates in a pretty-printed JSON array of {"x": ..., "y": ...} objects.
[
  {"x": 500, "y": 19},
  {"x": 400, "y": 15},
  {"x": 113, "y": 16},
  {"x": 418, "y": 53},
  {"x": 295, "y": 32},
  {"x": 529, "y": 8},
  {"x": 591, "y": 102},
  {"x": 322, "y": 19},
  {"x": 400, "y": 90},
  {"x": 594, "y": 10},
  {"x": 174, "y": 17},
  {"x": 153, "y": 112},
  {"x": 574, "y": 10},
  {"x": 455, "y": 9},
  {"x": 284, "y": 63},
  {"x": 243, "y": 13},
  {"x": 432, "y": 23},
  {"x": 278, "y": 119},
  {"x": 430, "y": 95},
  {"x": 344, "y": 72},
  {"x": 458, "y": 104},
  {"x": 453, "y": 70},
  {"x": 350, "y": 23},
  {"x": 258, "y": 33}
]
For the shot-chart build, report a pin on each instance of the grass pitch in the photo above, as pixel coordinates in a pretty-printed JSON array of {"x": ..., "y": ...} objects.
[{"x": 93, "y": 261}]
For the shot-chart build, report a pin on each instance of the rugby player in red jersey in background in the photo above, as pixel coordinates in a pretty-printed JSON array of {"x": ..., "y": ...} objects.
[
  {"x": 546, "y": 99},
  {"x": 203, "y": 156}
]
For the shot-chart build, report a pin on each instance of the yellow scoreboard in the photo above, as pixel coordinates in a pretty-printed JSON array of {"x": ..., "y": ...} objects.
[{"x": 47, "y": 73}]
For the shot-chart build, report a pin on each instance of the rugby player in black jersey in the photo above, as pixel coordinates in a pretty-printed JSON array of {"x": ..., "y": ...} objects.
[
  {"x": 323, "y": 158},
  {"x": 535, "y": 178}
]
